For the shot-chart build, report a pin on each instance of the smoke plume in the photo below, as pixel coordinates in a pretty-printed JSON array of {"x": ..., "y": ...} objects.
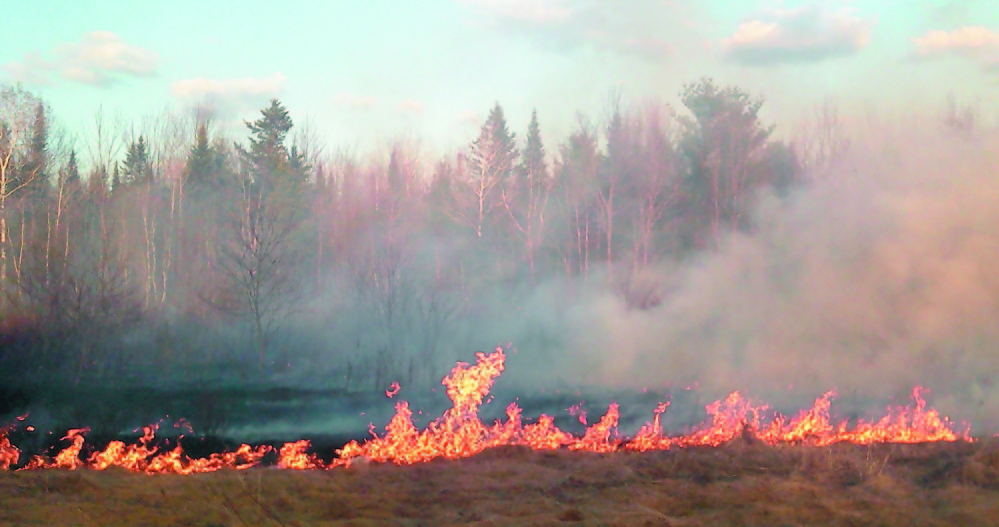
[{"x": 881, "y": 276}]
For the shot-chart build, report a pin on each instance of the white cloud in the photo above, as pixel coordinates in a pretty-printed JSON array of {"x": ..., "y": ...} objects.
[
  {"x": 969, "y": 40},
  {"x": 356, "y": 102},
  {"x": 803, "y": 34},
  {"x": 469, "y": 118},
  {"x": 248, "y": 87},
  {"x": 536, "y": 11},
  {"x": 411, "y": 106},
  {"x": 643, "y": 28},
  {"x": 100, "y": 58},
  {"x": 975, "y": 42}
]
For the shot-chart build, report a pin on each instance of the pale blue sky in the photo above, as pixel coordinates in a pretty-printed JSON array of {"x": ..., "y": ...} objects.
[{"x": 369, "y": 71}]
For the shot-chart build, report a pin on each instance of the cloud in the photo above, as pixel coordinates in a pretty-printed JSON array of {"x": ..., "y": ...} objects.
[
  {"x": 411, "y": 106},
  {"x": 975, "y": 42},
  {"x": 469, "y": 118},
  {"x": 100, "y": 59},
  {"x": 245, "y": 88},
  {"x": 803, "y": 34},
  {"x": 534, "y": 11},
  {"x": 356, "y": 102},
  {"x": 626, "y": 27}
]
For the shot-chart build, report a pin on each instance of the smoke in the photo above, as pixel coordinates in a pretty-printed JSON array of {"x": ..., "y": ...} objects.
[{"x": 881, "y": 276}]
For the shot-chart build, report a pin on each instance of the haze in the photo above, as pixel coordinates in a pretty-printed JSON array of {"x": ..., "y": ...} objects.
[{"x": 780, "y": 197}]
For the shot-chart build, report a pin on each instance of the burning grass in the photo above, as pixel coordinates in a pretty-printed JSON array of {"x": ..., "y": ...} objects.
[
  {"x": 737, "y": 483},
  {"x": 739, "y": 467}
]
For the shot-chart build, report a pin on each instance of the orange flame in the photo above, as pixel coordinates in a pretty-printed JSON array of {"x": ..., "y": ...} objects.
[
  {"x": 460, "y": 433},
  {"x": 393, "y": 390},
  {"x": 9, "y": 453},
  {"x": 292, "y": 455}
]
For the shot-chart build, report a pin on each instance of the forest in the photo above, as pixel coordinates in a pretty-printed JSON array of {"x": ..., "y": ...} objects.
[{"x": 165, "y": 251}]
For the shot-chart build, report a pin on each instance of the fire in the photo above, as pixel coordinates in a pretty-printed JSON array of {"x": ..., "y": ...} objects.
[
  {"x": 460, "y": 433},
  {"x": 393, "y": 390},
  {"x": 9, "y": 453}
]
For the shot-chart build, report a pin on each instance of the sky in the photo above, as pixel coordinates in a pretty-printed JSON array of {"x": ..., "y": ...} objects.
[{"x": 366, "y": 73}]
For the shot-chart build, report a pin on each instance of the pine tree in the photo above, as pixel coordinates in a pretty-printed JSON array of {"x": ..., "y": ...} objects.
[
  {"x": 722, "y": 142},
  {"x": 34, "y": 173},
  {"x": 271, "y": 163},
  {"x": 527, "y": 198},
  {"x": 204, "y": 164},
  {"x": 97, "y": 184},
  {"x": 533, "y": 166},
  {"x": 137, "y": 168},
  {"x": 116, "y": 178},
  {"x": 491, "y": 161},
  {"x": 72, "y": 170}
]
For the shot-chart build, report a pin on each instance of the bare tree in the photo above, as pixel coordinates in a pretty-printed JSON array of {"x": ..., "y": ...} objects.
[
  {"x": 821, "y": 140},
  {"x": 257, "y": 260},
  {"x": 576, "y": 177},
  {"x": 105, "y": 140},
  {"x": 655, "y": 185},
  {"x": 17, "y": 118},
  {"x": 525, "y": 198}
]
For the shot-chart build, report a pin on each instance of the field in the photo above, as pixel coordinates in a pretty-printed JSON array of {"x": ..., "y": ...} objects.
[{"x": 739, "y": 483}]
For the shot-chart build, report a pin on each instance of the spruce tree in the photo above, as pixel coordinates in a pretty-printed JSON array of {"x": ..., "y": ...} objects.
[
  {"x": 204, "y": 164},
  {"x": 72, "y": 170},
  {"x": 35, "y": 170},
  {"x": 271, "y": 164},
  {"x": 533, "y": 166},
  {"x": 491, "y": 162},
  {"x": 137, "y": 167}
]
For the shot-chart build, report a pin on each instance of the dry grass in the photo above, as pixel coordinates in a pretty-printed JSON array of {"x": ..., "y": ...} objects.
[{"x": 738, "y": 484}]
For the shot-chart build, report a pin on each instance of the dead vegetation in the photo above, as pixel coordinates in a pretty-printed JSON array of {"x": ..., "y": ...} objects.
[{"x": 738, "y": 484}]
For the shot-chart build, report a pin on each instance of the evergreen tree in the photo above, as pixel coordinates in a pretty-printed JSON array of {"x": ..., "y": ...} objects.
[
  {"x": 722, "y": 142},
  {"x": 72, "y": 170},
  {"x": 204, "y": 164},
  {"x": 490, "y": 163},
  {"x": 137, "y": 167},
  {"x": 116, "y": 178},
  {"x": 533, "y": 166},
  {"x": 270, "y": 162},
  {"x": 97, "y": 183},
  {"x": 34, "y": 173},
  {"x": 527, "y": 198}
]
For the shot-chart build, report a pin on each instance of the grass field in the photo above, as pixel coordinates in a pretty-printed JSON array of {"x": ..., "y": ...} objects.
[{"x": 738, "y": 483}]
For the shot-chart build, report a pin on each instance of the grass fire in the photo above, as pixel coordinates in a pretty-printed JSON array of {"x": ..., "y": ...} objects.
[
  {"x": 499, "y": 262},
  {"x": 797, "y": 469}
]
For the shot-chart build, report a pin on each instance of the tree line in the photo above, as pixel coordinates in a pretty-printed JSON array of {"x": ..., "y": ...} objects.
[{"x": 176, "y": 247}]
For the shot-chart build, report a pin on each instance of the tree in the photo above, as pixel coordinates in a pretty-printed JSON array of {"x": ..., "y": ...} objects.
[
  {"x": 616, "y": 168},
  {"x": 18, "y": 115},
  {"x": 34, "y": 171},
  {"x": 257, "y": 262},
  {"x": 137, "y": 168},
  {"x": 722, "y": 139},
  {"x": 256, "y": 254},
  {"x": 526, "y": 197},
  {"x": 71, "y": 173},
  {"x": 204, "y": 163},
  {"x": 655, "y": 185},
  {"x": 576, "y": 177},
  {"x": 270, "y": 162},
  {"x": 490, "y": 162}
]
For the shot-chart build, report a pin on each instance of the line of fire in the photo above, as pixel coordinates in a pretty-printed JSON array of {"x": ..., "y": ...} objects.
[{"x": 460, "y": 433}]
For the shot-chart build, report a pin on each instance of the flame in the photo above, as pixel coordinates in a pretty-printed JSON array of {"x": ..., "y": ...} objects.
[
  {"x": 292, "y": 455},
  {"x": 460, "y": 433},
  {"x": 393, "y": 390},
  {"x": 9, "y": 453}
]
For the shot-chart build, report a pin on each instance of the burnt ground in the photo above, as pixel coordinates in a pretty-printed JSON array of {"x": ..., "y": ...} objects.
[{"x": 736, "y": 484}]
